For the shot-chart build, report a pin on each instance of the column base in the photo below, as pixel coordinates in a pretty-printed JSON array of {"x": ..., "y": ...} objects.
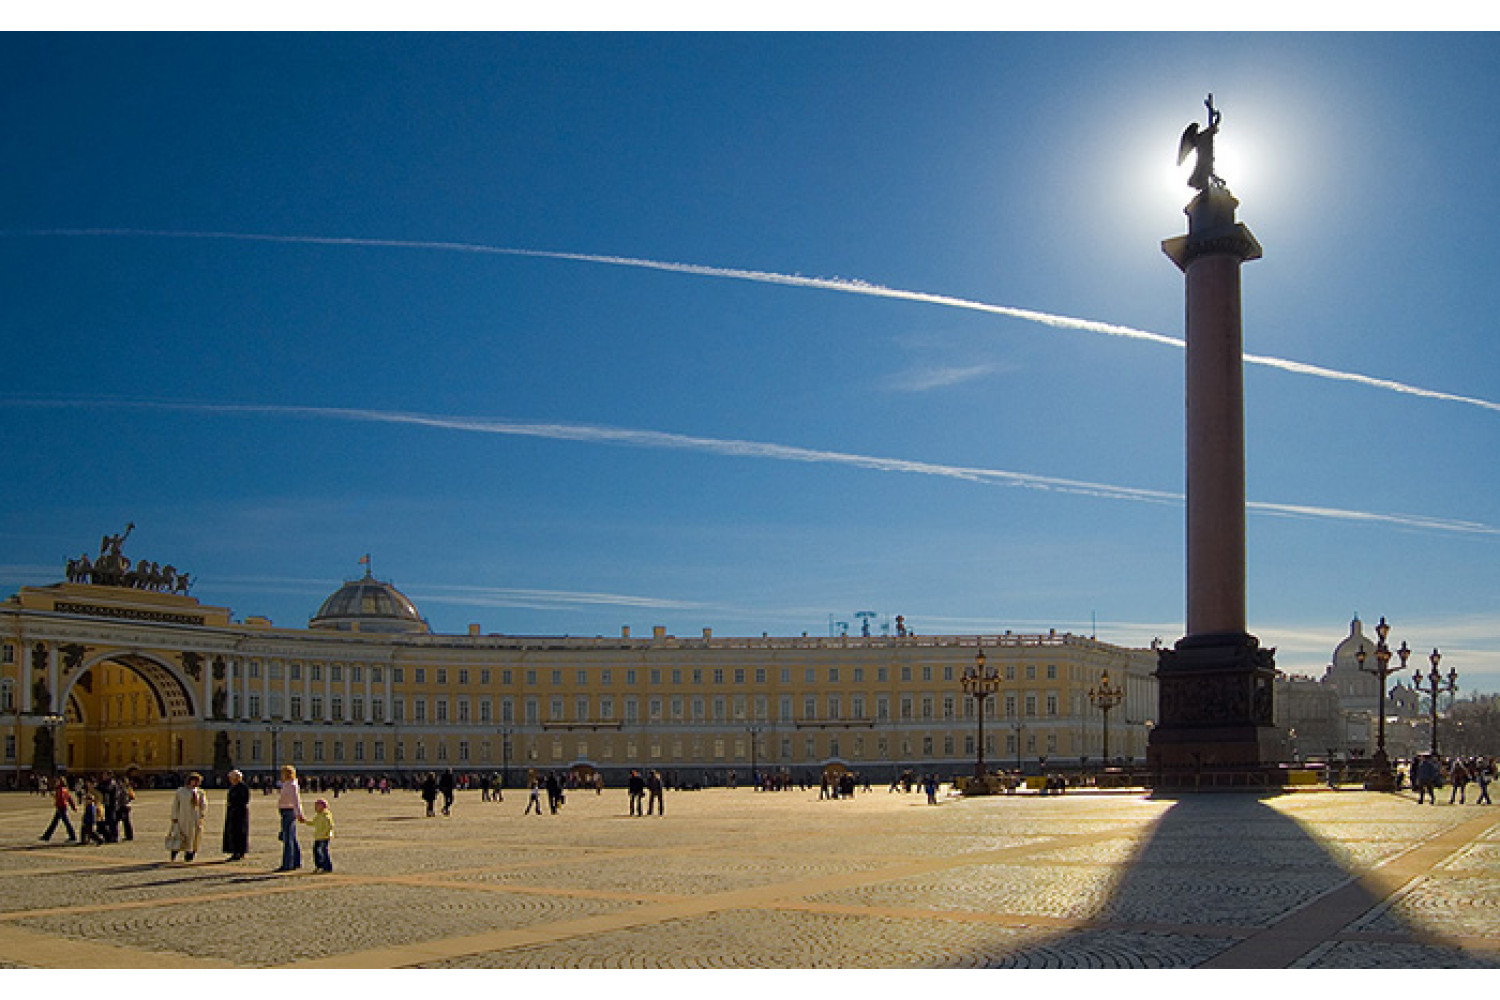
[{"x": 1216, "y": 713}]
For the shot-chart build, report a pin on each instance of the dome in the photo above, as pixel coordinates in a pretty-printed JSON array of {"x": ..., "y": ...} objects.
[
  {"x": 1346, "y": 654},
  {"x": 368, "y": 605}
]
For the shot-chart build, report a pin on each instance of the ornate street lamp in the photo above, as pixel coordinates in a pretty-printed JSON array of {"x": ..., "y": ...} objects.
[
  {"x": 274, "y": 727},
  {"x": 979, "y": 682},
  {"x": 1436, "y": 685},
  {"x": 754, "y": 732},
  {"x": 1381, "y": 778},
  {"x": 1106, "y": 698}
]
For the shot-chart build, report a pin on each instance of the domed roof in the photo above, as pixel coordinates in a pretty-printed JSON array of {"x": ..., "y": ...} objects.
[
  {"x": 368, "y": 605},
  {"x": 1346, "y": 653}
]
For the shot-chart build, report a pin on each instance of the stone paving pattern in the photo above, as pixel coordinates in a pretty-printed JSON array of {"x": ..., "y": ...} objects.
[{"x": 742, "y": 879}]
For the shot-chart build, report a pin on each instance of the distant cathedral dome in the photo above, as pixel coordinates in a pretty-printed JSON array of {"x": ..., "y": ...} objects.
[
  {"x": 369, "y": 605},
  {"x": 1346, "y": 653}
]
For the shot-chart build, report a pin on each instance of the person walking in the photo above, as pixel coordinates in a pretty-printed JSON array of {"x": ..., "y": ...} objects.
[
  {"x": 534, "y": 799},
  {"x": 62, "y": 801},
  {"x": 1483, "y": 776},
  {"x": 189, "y": 807},
  {"x": 655, "y": 802},
  {"x": 429, "y": 791},
  {"x": 90, "y": 829},
  {"x": 1460, "y": 777},
  {"x": 237, "y": 817},
  {"x": 289, "y": 803},
  {"x": 1424, "y": 778},
  {"x": 554, "y": 792},
  {"x": 636, "y": 787},
  {"x": 445, "y": 785},
  {"x": 322, "y": 824},
  {"x": 124, "y": 798}
]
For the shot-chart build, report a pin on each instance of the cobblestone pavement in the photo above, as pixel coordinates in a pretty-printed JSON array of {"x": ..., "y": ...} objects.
[{"x": 736, "y": 878}]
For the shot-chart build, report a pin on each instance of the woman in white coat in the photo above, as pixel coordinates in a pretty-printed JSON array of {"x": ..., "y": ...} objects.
[{"x": 189, "y": 807}]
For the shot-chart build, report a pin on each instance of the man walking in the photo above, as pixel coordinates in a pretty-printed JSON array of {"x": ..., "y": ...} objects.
[
  {"x": 655, "y": 803},
  {"x": 62, "y": 801},
  {"x": 636, "y": 787}
]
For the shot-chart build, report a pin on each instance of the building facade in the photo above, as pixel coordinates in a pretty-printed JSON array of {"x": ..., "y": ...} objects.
[{"x": 110, "y": 675}]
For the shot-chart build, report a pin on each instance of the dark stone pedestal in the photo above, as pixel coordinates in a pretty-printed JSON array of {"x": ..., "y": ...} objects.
[{"x": 1216, "y": 715}]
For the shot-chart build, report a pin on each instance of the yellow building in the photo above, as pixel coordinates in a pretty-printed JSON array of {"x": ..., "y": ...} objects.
[{"x": 120, "y": 677}]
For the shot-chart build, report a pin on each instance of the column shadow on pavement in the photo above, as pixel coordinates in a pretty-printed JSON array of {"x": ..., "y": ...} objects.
[{"x": 1225, "y": 880}]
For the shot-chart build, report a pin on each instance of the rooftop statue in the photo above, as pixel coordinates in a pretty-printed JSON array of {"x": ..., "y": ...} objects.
[{"x": 1203, "y": 176}]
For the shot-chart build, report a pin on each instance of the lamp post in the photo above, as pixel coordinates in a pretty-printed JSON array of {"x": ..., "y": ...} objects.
[
  {"x": 274, "y": 727},
  {"x": 54, "y": 723},
  {"x": 754, "y": 732},
  {"x": 979, "y": 682},
  {"x": 505, "y": 732},
  {"x": 1381, "y": 779},
  {"x": 1436, "y": 685},
  {"x": 1105, "y": 698}
]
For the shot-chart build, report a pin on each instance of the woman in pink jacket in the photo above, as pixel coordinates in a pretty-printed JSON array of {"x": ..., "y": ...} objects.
[{"x": 290, "y": 804}]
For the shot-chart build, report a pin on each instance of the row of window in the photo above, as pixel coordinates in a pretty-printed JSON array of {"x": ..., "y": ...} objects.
[
  {"x": 720, "y": 708},
  {"x": 606, "y": 678}
]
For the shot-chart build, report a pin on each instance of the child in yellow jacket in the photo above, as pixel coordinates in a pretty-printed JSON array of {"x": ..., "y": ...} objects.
[{"x": 322, "y": 824}]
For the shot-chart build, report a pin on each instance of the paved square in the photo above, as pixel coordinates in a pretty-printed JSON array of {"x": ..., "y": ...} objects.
[{"x": 738, "y": 878}]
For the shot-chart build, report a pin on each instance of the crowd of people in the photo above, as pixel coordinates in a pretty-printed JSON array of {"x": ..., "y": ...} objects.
[
  {"x": 1429, "y": 772},
  {"x": 103, "y": 803}
]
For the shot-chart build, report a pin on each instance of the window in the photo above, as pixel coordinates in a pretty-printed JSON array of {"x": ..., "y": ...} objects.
[
  {"x": 906, "y": 706},
  {"x": 505, "y": 676},
  {"x": 336, "y": 672},
  {"x": 882, "y": 708},
  {"x": 440, "y": 709},
  {"x": 630, "y": 679},
  {"x": 442, "y": 675},
  {"x": 463, "y": 675},
  {"x": 507, "y": 710},
  {"x": 906, "y": 673},
  {"x": 359, "y": 750},
  {"x": 833, "y": 707},
  {"x": 582, "y": 678},
  {"x": 927, "y": 706},
  {"x": 1010, "y": 705},
  {"x": 317, "y": 671},
  {"x": 786, "y": 708},
  {"x": 557, "y": 710},
  {"x": 357, "y": 673},
  {"x": 677, "y": 707},
  {"x": 10, "y": 655},
  {"x": 631, "y": 717},
  {"x": 8, "y": 694},
  {"x": 739, "y": 676},
  {"x": 718, "y": 676},
  {"x": 786, "y": 675},
  {"x": 1052, "y": 671},
  {"x": 606, "y": 677},
  {"x": 463, "y": 750},
  {"x": 418, "y": 709},
  {"x": 1031, "y": 671},
  {"x": 557, "y": 678},
  {"x": 376, "y": 677},
  {"x": 255, "y": 706},
  {"x": 947, "y": 706},
  {"x": 337, "y": 705},
  {"x": 380, "y": 750},
  {"x": 808, "y": 676},
  {"x": 357, "y": 709},
  {"x": 317, "y": 750},
  {"x": 398, "y": 709},
  {"x": 338, "y": 751},
  {"x": 1051, "y": 704},
  {"x": 859, "y": 675},
  {"x": 486, "y": 710},
  {"x": 698, "y": 709},
  {"x": 655, "y": 709},
  {"x": 880, "y": 678},
  {"x": 419, "y": 675},
  {"x": 398, "y": 675},
  {"x": 581, "y": 709},
  {"x": 1031, "y": 704},
  {"x": 606, "y": 708},
  {"x": 533, "y": 711},
  {"x": 833, "y": 675},
  {"x": 484, "y": 676},
  {"x": 927, "y": 672},
  {"x": 655, "y": 676},
  {"x": 809, "y": 707},
  {"x": 463, "y": 710},
  {"x": 531, "y": 677},
  {"x": 377, "y": 709}
]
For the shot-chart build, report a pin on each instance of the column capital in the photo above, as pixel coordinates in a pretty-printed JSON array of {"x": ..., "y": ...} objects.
[{"x": 1212, "y": 230}]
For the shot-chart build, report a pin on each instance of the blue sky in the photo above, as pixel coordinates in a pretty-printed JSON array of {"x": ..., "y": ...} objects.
[{"x": 615, "y": 443}]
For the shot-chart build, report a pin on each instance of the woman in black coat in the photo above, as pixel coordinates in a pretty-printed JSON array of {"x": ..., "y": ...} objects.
[{"x": 237, "y": 817}]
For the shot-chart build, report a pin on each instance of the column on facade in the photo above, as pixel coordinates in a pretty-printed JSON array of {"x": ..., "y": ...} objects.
[
  {"x": 205, "y": 702},
  {"x": 58, "y": 705}
]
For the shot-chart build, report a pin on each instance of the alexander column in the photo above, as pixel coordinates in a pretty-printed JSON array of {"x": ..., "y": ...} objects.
[{"x": 1215, "y": 685}]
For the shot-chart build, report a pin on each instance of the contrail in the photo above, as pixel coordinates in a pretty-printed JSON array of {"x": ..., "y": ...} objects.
[
  {"x": 751, "y": 449},
  {"x": 847, "y": 285}
]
